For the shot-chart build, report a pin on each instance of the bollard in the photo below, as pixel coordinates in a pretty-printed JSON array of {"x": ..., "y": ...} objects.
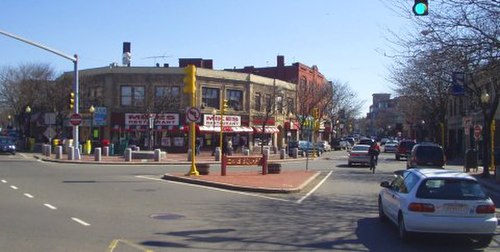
[
  {"x": 97, "y": 154},
  {"x": 128, "y": 154},
  {"x": 105, "y": 151},
  {"x": 49, "y": 150},
  {"x": 77, "y": 153},
  {"x": 157, "y": 155},
  {"x": 295, "y": 152},
  {"x": 267, "y": 152},
  {"x": 217, "y": 154},
  {"x": 282, "y": 153},
  {"x": 59, "y": 152},
  {"x": 246, "y": 152},
  {"x": 71, "y": 153}
]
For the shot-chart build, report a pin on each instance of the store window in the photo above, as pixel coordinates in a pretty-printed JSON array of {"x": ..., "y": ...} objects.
[
  {"x": 210, "y": 97},
  {"x": 132, "y": 96}
]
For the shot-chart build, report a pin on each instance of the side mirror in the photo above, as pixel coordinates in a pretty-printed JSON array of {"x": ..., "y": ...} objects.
[{"x": 385, "y": 184}]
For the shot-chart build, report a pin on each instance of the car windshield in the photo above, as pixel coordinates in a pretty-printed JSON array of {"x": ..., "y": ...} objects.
[
  {"x": 5, "y": 141},
  {"x": 452, "y": 189}
]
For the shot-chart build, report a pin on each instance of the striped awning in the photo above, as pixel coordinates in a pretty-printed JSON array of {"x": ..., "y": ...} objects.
[
  {"x": 268, "y": 130},
  {"x": 235, "y": 129}
]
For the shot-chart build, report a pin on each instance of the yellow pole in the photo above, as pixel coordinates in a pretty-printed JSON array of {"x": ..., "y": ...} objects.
[
  {"x": 192, "y": 136},
  {"x": 492, "y": 165}
]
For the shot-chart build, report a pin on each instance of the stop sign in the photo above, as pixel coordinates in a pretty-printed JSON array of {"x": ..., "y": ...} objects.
[
  {"x": 75, "y": 119},
  {"x": 477, "y": 131}
]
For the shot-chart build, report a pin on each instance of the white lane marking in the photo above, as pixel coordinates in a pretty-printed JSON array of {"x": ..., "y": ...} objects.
[
  {"x": 13, "y": 187},
  {"x": 50, "y": 206},
  {"x": 28, "y": 195},
  {"x": 80, "y": 221},
  {"x": 4, "y": 181},
  {"x": 215, "y": 189},
  {"x": 315, "y": 188}
]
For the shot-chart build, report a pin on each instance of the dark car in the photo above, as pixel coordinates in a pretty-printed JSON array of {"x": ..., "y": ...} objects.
[
  {"x": 7, "y": 145},
  {"x": 304, "y": 148},
  {"x": 428, "y": 155},
  {"x": 404, "y": 149}
]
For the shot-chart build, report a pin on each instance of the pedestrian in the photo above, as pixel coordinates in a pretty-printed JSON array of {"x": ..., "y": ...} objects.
[
  {"x": 197, "y": 147},
  {"x": 229, "y": 147}
]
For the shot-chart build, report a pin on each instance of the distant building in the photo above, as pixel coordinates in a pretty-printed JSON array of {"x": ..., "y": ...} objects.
[{"x": 384, "y": 119}]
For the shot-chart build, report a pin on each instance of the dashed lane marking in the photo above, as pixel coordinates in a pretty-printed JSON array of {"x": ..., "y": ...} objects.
[
  {"x": 50, "y": 206},
  {"x": 80, "y": 221},
  {"x": 14, "y": 187},
  {"x": 28, "y": 195}
]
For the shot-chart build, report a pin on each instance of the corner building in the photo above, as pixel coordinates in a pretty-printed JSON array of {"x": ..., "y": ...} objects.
[{"x": 146, "y": 106}]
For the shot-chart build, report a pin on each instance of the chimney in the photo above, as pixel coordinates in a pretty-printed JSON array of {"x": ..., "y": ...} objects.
[
  {"x": 281, "y": 61},
  {"x": 126, "y": 58}
]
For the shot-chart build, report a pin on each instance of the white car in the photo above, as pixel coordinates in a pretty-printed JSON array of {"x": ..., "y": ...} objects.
[
  {"x": 359, "y": 154},
  {"x": 438, "y": 201},
  {"x": 391, "y": 146}
]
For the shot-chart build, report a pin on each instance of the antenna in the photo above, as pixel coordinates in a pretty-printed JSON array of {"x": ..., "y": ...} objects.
[{"x": 164, "y": 56}]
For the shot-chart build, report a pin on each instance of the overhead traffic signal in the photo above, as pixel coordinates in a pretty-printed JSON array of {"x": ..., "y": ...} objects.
[
  {"x": 316, "y": 113},
  {"x": 190, "y": 79},
  {"x": 421, "y": 7},
  {"x": 71, "y": 100},
  {"x": 224, "y": 106}
]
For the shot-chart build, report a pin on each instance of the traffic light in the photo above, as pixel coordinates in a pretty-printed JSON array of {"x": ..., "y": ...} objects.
[
  {"x": 71, "y": 100},
  {"x": 316, "y": 113},
  {"x": 421, "y": 7},
  {"x": 190, "y": 79},
  {"x": 224, "y": 106}
]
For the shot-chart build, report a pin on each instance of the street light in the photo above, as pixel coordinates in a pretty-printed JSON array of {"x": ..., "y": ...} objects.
[
  {"x": 9, "y": 125},
  {"x": 91, "y": 110},
  {"x": 485, "y": 99},
  {"x": 28, "y": 112}
]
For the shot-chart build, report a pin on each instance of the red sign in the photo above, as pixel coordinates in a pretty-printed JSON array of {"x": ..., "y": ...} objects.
[{"x": 75, "y": 119}]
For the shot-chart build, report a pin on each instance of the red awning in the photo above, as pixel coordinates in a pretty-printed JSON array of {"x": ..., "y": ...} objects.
[
  {"x": 268, "y": 130},
  {"x": 235, "y": 129}
]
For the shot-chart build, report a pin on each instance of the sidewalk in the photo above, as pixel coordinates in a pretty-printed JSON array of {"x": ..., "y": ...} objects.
[
  {"x": 489, "y": 183},
  {"x": 249, "y": 180}
]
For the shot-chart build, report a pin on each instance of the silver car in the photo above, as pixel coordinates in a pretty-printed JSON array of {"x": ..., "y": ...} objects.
[
  {"x": 359, "y": 154},
  {"x": 438, "y": 201}
]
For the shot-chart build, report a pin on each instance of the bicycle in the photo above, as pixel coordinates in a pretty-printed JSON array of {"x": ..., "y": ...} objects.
[{"x": 373, "y": 163}]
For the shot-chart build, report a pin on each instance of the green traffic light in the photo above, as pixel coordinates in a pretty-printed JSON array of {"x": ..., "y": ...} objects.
[{"x": 420, "y": 9}]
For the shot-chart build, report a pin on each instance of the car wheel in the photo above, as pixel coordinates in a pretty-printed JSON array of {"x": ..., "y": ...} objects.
[
  {"x": 398, "y": 157},
  {"x": 403, "y": 234},
  {"x": 381, "y": 215},
  {"x": 484, "y": 241}
]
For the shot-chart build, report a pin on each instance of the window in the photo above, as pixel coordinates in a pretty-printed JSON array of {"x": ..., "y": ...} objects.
[
  {"x": 235, "y": 99},
  {"x": 167, "y": 97},
  {"x": 258, "y": 101},
  {"x": 410, "y": 181},
  {"x": 290, "y": 106},
  {"x": 451, "y": 188},
  {"x": 210, "y": 97},
  {"x": 132, "y": 96},
  {"x": 268, "y": 103}
]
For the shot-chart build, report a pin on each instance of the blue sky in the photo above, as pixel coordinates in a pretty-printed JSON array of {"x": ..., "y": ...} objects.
[{"x": 345, "y": 39}]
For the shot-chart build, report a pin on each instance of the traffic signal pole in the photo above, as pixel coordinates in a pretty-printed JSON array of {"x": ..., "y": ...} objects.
[
  {"x": 75, "y": 87},
  {"x": 190, "y": 88}
]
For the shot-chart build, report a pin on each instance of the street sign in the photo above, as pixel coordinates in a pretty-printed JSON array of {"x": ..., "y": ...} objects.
[
  {"x": 477, "y": 131},
  {"x": 75, "y": 119},
  {"x": 193, "y": 114}
]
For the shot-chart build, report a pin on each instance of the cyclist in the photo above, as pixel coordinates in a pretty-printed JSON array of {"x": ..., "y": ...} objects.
[{"x": 373, "y": 153}]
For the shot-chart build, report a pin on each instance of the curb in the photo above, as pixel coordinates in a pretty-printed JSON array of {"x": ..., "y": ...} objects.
[{"x": 242, "y": 188}]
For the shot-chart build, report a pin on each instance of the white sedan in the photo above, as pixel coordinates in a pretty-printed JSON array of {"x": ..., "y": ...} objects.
[
  {"x": 438, "y": 201},
  {"x": 359, "y": 154}
]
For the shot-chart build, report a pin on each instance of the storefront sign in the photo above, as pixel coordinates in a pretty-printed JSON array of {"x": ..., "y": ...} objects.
[
  {"x": 137, "y": 119},
  {"x": 227, "y": 120}
]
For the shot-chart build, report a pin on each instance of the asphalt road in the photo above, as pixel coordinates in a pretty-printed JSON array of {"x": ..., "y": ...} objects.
[{"x": 64, "y": 207}]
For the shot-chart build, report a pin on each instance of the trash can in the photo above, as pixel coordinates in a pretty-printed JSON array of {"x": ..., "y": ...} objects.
[{"x": 470, "y": 159}]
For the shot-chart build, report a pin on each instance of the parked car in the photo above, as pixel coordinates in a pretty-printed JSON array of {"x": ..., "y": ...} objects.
[
  {"x": 359, "y": 154},
  {"x": 340, "y": 144},
  {"x": 324, "y": 145},
  {"x": 404, "y": 149},
  {"x": 304, "y": 148},
  {"x": 391, "y": 146},
  {"x": 7, "y": 145},
  {"x": 429, "y": 155},
  {"x": 438, "y": 201}
]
